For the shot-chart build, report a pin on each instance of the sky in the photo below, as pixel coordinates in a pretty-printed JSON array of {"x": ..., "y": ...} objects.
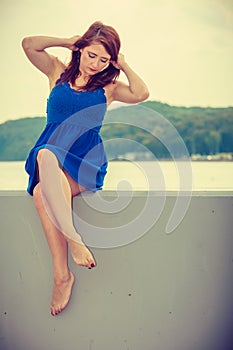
[{"x": 183, "y": 49}]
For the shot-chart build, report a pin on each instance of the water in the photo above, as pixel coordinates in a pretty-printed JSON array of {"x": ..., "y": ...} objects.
[{"x": 206, "y": 176}]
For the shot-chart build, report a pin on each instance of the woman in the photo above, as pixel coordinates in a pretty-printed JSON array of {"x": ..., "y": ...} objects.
[{"x": 63, "y": 164}]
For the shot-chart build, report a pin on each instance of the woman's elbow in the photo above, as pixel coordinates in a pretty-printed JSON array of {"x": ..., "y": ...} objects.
[
  {"x": 143, "y": 95},
  {"x": 26, "y": 43}
]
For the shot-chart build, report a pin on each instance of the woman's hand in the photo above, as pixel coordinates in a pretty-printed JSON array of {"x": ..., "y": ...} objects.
[
  {"x": 71, "y": 43},
  {"x": 120, "y": 62}
]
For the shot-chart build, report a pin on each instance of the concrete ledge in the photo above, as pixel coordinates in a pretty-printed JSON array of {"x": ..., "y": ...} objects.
[{"x": 163, "y": 292}]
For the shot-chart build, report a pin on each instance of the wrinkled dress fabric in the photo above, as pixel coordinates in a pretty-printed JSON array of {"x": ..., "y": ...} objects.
[{"x": 74, "y": 120}]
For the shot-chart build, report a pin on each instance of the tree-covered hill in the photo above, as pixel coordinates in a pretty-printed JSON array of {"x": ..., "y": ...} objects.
[
  {"x": 18, "y": 136},
  {"x": 203, "y": 130}
]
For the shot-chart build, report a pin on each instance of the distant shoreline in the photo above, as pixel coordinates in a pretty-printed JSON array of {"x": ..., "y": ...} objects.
[{"x": 193, "y": 158}]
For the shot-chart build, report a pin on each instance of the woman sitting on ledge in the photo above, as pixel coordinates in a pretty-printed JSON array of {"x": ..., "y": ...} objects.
[{"x": 69, "y": 156}]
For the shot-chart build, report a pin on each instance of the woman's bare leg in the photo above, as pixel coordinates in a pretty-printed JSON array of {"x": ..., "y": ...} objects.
[
  {"x": 57, "y": 194},
  {"x": 63, "y": 277}
]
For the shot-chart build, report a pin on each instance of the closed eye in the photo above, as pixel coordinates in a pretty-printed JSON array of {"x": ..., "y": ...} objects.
[
  {"x": 104, "y": 60},
  {"x": 93, "y": 55}
]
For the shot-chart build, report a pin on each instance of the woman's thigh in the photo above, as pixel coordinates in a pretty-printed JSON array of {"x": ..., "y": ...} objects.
[{"x": 76, "y": 188}]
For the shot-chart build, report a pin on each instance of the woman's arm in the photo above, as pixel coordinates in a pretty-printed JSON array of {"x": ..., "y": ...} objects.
[
  {"x": 35, "y": 46},
  {"x": 135, "y": 91}
]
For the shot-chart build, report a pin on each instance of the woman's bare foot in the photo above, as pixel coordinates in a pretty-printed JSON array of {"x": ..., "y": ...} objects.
[
  {"x": 61, "y": 294},
  {"x": 81, "y": 254}
]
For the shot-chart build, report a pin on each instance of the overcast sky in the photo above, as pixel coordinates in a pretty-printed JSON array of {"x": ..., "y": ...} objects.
[{"x": 182, "y": 48}]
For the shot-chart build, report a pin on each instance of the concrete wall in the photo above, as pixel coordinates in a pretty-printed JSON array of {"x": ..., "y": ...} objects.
[{"x": 160, "y": 292}]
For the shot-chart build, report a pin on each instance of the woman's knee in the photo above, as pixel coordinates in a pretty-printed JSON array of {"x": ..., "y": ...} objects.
[
  {"x": 44, "y": 155},
  {"x": 41, "y": 154}
]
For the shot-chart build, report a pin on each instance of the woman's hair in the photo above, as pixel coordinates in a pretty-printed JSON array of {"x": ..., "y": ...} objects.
[{"x": 100, "y": 34}]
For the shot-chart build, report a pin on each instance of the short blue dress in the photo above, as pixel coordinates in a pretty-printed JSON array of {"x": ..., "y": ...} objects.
[{"x": 74, "y": 120}]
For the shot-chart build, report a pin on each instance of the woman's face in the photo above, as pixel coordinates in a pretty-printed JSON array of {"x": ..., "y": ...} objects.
[{"x": 94, "y": 59}]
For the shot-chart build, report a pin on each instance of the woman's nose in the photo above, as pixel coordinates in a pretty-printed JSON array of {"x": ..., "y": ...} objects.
[{"x": 95, "y": 63}]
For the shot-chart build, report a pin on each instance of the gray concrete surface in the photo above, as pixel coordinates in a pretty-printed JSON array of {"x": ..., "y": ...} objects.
[{"x": 160, "y": 292}]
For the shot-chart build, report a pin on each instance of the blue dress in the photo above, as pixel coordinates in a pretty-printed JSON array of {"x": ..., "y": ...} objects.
[{"x": 74, "y": 119}]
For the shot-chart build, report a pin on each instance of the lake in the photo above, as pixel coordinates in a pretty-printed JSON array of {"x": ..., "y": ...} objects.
[{"x": 148, "y": 175}]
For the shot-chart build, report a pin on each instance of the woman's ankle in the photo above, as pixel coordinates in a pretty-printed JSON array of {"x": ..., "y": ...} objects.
[{"x": 61, "y": 276}]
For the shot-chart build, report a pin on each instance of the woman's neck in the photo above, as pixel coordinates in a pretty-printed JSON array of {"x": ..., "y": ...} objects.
[{"x": 81, "y": 80}]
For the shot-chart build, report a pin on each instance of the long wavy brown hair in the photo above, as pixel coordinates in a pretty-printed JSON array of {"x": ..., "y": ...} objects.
[{"x": 109, "y": 38}]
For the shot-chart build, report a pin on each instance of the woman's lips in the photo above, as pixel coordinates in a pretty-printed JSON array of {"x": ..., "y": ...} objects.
[{"x": 92, "y": 70}]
